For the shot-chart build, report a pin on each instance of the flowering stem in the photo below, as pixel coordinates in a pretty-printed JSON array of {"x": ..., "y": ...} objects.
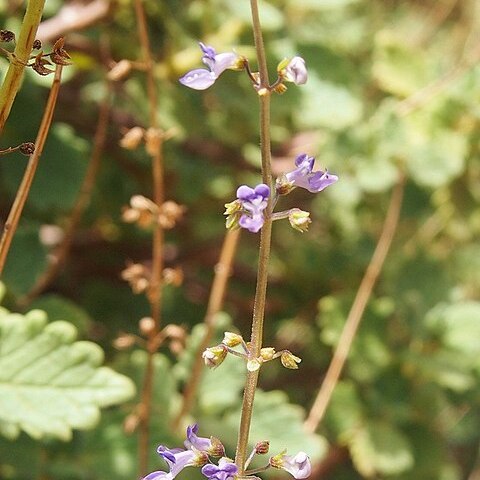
[
  {"x": 19, "y": 58},
  {"x": 155, "y": 289},
  {"x": 24, "y": 189},
  {"x": 264, "y": 252}
]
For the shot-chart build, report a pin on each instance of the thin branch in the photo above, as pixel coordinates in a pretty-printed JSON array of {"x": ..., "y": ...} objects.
[
  {"x": 154, "y": 147},
  {"x": 82, "y": 201},
  {"x": 223, "y": 271},
  {"x": 22, "y": 193},
  {"x": 19, "y": 58},
  {"x": 356, "y": 312}
]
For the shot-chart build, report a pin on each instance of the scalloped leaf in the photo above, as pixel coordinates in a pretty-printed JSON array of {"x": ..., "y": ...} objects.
[
  {"x": 49, "y": 383},
  {"x": 379, "y": 449}
]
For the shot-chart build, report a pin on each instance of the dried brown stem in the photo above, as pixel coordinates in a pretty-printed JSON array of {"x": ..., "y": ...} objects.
[
  {"x": 82, "y": 201},
  {"x": 155, "y": 289},
  {"x": 356, "y": 312},
  {"x": 24, "y": 189},
  {"x": 215, "y": 302}
]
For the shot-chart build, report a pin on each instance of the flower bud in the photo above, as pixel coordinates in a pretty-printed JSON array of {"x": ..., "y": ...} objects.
[
  {"x": 214, "y": 356},
  {"x": 289, "y": 360},
  {"x": 153, "y": 140},
  {"x": 232, "y": 339},
  {"x": 27, "y": 148},
  {"x": 295, "y": 71},
  {"x": 131, "y": 140},
  {"x": 120, "y": 70},
  {"x": 253, "y": 365},
  {"x": 146, "y": 325},
  {"x": 261, "y": 448},
  {"x": 267, "y": 353},
  {"x": 299, "y": 219},
  {"x": 7, "y": 36}
]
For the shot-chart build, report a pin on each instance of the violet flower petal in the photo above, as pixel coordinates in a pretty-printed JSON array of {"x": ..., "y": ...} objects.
[{"x": 198, "y": 79}]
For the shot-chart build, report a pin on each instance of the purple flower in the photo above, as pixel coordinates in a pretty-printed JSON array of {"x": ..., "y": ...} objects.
[
  {"x": 226, "y": 470},
  {"x": 253, "y": 201},
  {"x": 177, "y": 459},
  {"x": 211, "y": 446},
  {"x": 296, "y": 71},
  {"x": 296, "y": 465},
  {"x": 304, "y": 176},
  {"x": 201, "y": 78}
]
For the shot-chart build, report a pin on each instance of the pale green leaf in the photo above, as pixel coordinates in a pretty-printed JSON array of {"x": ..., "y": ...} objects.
[
  {"x": 379, "y": 449},
  {"x": 325, "y": 104},
  {"x": 319, "y": 4},
  {"x": 399, "y": 68},
  {"x": 49, "y": 383},
  {"x": 434, "y": 163}
]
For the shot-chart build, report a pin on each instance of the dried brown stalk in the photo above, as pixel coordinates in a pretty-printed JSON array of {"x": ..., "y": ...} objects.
[
  {"x": 82, "y": 201},
  {"x": 356, "y": 312},
  {"x": 24, "y": 189},
  {"x": 154, "y": 148}
]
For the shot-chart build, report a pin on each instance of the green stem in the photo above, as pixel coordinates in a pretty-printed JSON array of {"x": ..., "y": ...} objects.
[
  {"x": 19, "y": 58},
  {"x": 264, "y": 252}
]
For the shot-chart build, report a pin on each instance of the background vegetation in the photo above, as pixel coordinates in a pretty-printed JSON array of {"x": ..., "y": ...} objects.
[{"x": 394, "y": 89}]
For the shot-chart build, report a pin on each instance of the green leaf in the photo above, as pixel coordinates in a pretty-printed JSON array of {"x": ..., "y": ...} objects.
[
  {"x": 319, "y": 4},
  {"x": 345, "y": 413},
  {"x": 325, "y": 104},
  {"x": 60, "y": 308},
  {"x": 458, "y": 325},
  {"x": 399, "y": 68},
  {"x": 49, "y": 383},
  {"x": 21, "y": 270},
  {"x": 433, "y": 164},
  {"x": 379, "y": 449},
  {"x": 280, "y": 422}
]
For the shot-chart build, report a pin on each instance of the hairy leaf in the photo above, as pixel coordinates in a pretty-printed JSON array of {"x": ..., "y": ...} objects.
[{"x": 49, "y": 383}]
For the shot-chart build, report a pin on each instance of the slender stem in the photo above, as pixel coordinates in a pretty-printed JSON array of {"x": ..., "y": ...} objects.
[
  {"x": 22, "y": 193},
  {"x": 61, "y": 252},
  {"x": 356, "y": 312},
  {"x": 217, "y": 294},
  {"x": 20, "y": 57},
  {"x": 264, "y": 252},
  {"x": 155, "y": 289}
]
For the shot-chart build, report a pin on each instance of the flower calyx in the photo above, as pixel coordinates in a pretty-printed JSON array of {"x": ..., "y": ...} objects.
[
  {"x": 214, "y": 356},
  {"x": 299, "y": 219},
  {"x": 289, "y": 360}
]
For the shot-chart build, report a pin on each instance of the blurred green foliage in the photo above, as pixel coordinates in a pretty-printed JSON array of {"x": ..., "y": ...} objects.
[{"x": 394, "y": 86}]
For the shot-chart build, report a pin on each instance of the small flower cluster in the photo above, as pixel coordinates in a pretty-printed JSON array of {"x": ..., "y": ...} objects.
[
  {"x": 292, "y": 70},
  {"x": 248, "y": 210},
  {"x": 198, "y": 450},
  {"x": 214, "y": 356}
]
